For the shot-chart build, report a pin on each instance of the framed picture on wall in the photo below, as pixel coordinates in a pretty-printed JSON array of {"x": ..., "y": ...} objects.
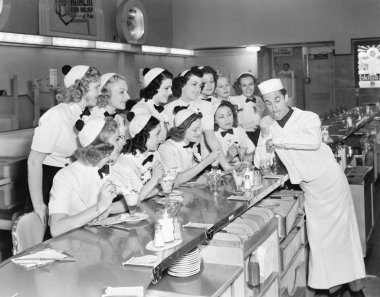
[
  {"x": 71, "y": 18},
  {"x": 366, "y": 62}
]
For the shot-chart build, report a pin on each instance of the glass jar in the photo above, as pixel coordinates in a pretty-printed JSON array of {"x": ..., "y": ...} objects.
[
  {"x": 325, "y": 133},
  {"x": 165, "y": 219}
]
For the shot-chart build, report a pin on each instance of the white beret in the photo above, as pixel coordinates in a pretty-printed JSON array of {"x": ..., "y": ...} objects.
[
  {"x": 104, "y": 79},
  {"x": 76, "y": 72},
  {"x": 270, "y": 85},
  {"x": 138, "y": 123},
  {"x": 151, "y": 75},
  {"x": 91, "y": 130},
  {"x": 183, "y": 115}
]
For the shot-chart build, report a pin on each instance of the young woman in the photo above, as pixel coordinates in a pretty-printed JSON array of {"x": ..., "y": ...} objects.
[
  {"x": 187, "y": 87},
  {"x": 250, "y": 106},
  {"x": 81, "y": 192},
  {"x": 55, "y": 139},
  {"x": 112, "y": 98},
  {"x": 181, "y": 150},
  {"x": 209, "y": 78},
  {"x": 139, "y": 165},
  {"x": 232, "y": 137},
  {"x": 223, "y": 88},
  {"x": 155, "y": 94}
]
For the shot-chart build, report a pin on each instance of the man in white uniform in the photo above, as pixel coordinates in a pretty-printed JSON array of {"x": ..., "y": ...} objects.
[{"x": 295, "y": 135}]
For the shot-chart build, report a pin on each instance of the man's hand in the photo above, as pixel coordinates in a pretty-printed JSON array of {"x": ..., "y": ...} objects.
[
  {"x": 269, "y": 145},
  {"x": 265, "y": 123}
]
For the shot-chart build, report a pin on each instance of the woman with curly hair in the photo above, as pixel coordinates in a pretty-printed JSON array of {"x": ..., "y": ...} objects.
[
  {"x": 139, "y": 167},
  {"x": 232, "y": 138},
  {"x": 187, "y": 87},
  {"x": 209, "y": 78},
  {"x": 249, "y": 104},
  {"x": 155, "y": 94},
  {"x": 112, "y": 100},
  {"x": 81, "y": 192},
  {"x": 181, "y": 150},
  {"x": 55, "y": 138}
]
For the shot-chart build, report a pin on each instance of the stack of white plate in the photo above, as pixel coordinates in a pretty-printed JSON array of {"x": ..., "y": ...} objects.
[{"x": 187, "y": 265}]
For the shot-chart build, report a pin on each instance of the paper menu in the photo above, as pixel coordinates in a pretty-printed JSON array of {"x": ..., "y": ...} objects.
[{"x": 41, "y": 258}]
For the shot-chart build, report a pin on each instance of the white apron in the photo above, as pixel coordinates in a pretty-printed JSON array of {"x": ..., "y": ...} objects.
[{"x": 335, "y": 250}]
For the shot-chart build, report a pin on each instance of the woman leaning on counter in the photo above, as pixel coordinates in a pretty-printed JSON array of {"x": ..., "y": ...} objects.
[
  {"x": 81, "y": 191},
  {"x": 55, "y": 139}
]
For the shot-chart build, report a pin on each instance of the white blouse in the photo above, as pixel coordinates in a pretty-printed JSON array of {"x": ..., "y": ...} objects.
[
  {"x": 174, "y": 155},
  {"x": 143, "y": 107},
  {"x": 56, "y": 135},
  {"x": 128, "y": 170},
  {"x": 75, "y": 188},
  {"x": 120, "y": 120},
  {"x": 248, "y": 118},
  {"x": 239, "y": 137}
]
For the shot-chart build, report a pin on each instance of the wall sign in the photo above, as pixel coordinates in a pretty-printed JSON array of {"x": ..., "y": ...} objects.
[
  {"x": 367, "y": 63},
  {"x": 318, "y": 57},
  {"x": 282, "y": 52},
  {"x": 71, "y": 18}
]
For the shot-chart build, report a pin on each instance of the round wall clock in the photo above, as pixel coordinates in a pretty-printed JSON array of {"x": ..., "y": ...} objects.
[{"x": 132, "y": 22}]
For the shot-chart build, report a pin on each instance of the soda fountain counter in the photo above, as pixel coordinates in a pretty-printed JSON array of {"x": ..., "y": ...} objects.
[{"x": 115, "y": 258}]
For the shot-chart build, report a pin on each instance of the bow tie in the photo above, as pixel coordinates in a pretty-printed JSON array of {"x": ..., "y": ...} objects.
[
  {"x": 252, "y": 100},
  {"x": 159, "y": 108},
  {"x": 190, "y": 145},
  {"x": 79, "y": 123},
  {"x": 86, "y": 112},
  {"x": 229, "y": 131},
  {"x": 106, "y": 114},
  {"x": 104, "y": 170},
  {"x": 208, "y": 99},
  {"x": 147, "y": 159},
  {"x": 179, "y": 108}
]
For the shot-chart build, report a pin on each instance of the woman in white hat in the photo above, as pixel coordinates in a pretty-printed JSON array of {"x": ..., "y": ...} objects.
[
  {"x": 82, "y": 191},
  {"x": 155, "y": 94},
  {"x": 181, "y": 150},
  {"x": 187, "y": 87},
  {"x": 231, "y": 136},
  {"x": 55, "y": 138},
  {"x": 112, "y": 99},
  {"x": 250, "y": 107},
  {"x": 336, "y": 256},
  {"x": 209, "y": 78},
  {"x": 139, "y": 166}
]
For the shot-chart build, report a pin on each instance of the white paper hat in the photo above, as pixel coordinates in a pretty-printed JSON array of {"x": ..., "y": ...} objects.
[
  {"x": 270, "y": 85},
  {"x": 138, "y": 123},
  {"x": 151, "y": 75},
  {"x": 245, "y": 72},
  {"x": 183, "y": 115},
  {"x": 91, "y": 130},
  {"x": 76, "y": 72},
  {"x": 104, "y": 79},
  {"x": 183, "y": 73}
]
